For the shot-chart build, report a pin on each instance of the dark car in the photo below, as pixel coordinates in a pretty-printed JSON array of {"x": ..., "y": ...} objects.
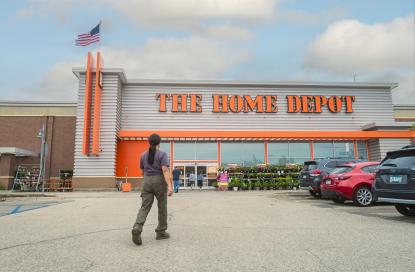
[
  {"x": 395, "y": 180},
  {"x": 315, "y": 171}
]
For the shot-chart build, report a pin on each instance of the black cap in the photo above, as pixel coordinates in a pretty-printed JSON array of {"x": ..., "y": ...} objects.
[{"x": 154, "y": 139}]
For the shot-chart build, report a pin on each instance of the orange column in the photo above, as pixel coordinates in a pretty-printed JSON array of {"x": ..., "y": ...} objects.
[
  {"x": 356, "y": 153},
  {"x": 87, "y": 107},
  {"x": 266, "y": 152},
  {"x": 312, "y": 150},
  {"x": 171, "y": 156},
  {"x": 97, "y": 108},
  {"x": 219, "y": 157}
]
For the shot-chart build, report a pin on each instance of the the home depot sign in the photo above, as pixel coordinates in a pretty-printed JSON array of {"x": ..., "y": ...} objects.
[{"x": 260, "y": 103}]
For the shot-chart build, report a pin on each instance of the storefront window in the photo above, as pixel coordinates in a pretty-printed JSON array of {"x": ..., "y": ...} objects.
[
  {"x": 184, "y": 151},
  {"x": 278, "y": 153},
  {"x": 333, "y": 149},
  {"x": 165, "y": 146},
  {"x": 299, "y": 152},
  {"x": 195, "y": 151},
  {"x": 323, "y": 150},
  {"x": 244, "y": 154},
  {"x": 206, "y": 151},
  {"x": 288, "y": 152},
  {"x": 343, "y": 150},
  {"x": 362, "y": 150}
]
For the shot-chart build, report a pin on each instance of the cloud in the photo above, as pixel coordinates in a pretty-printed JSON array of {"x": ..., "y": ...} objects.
[
  {"x": 58, "y": 84},
  {"x": 189, "y": 58},
  {"x": 184, "y": 12},
  {"x": 378, "y": 52},
  {"x": 350, "y": 46},
  {"x": 302, "y": 17},
  {"x": 405, "y": 93},
  {"x": 181, "y": 14},
  {"x": 172, "y": 58}
]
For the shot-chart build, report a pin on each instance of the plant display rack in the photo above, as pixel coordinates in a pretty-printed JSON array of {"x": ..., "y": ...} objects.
[
  {"x": 267, "y": 177},
  {"x": 27, "y": 178},
  {"x": 61, "y": 184}
]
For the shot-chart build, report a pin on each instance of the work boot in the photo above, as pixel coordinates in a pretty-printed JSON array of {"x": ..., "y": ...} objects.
[
  {"x": 136, "y": 235},
  {"x": 162, "y": 235}
]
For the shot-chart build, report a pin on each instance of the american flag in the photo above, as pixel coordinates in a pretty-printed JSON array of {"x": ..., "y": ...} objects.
[{"x": 90, "y": 37}]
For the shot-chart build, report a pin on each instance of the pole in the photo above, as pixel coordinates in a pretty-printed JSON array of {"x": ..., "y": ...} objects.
[{"x": 42, "y": 163}]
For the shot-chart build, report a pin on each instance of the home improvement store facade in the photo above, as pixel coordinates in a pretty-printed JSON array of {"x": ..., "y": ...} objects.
[{"x": 207, "y": 124}]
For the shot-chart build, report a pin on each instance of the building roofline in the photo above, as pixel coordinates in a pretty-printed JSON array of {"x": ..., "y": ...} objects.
[
  {"x": 236, "y": 83},
  {"x": 387, "y": 126},
  {"x": 37, "y": 103}
]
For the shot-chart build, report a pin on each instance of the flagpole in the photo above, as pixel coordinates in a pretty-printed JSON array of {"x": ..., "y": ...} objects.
[{"x": 100, "y": 33}]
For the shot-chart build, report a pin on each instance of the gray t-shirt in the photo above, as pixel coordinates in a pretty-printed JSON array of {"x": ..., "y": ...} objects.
[{"x": 160, "y": 159}]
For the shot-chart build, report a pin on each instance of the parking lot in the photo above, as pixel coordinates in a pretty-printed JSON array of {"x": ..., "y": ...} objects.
[{"x": 210, "y": 231}]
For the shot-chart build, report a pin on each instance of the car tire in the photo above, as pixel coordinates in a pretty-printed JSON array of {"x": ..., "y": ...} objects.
[
  {"x": 338, "y": 199},
  {"x": 312, "y": 193},
  {"x": 317, "y": 195},
  {"x": 407, "y": 210},
  {"x": 363, "y": 196}
]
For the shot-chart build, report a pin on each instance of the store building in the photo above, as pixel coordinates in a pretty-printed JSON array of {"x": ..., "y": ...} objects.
[
  {"x": 20, "y": 124},
  {"x": 206, "y": 124}
]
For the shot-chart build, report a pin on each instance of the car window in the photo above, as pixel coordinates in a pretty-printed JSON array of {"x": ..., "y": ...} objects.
[
  {"x": 342, "y": 169},
  {"x": 331, "y": 164},
  {"x": 344, "y": 162},
  {"x": 369, "y": 169},
  {"x": 308, "y": 166},
  {"x": 401, "y": 160}
]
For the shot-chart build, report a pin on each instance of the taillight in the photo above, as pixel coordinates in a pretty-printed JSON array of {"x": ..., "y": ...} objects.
[
  {"x": 315, "y": 173},
  {"x": 344, "y": 177}
]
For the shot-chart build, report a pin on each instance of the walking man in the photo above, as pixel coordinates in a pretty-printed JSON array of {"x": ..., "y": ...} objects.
[
  {"x": 192, "y": 180},
  {"x": 176, "y": 179},
  {"x": 157, "y": 183}
]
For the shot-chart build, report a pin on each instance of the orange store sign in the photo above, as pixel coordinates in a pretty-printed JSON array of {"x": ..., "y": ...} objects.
[{"x": 223, "y": 103}]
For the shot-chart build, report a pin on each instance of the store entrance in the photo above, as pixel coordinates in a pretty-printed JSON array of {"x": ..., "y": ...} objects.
[{"x": 197, "y": 175}]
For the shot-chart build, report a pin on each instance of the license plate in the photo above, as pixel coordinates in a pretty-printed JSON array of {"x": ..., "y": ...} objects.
[
  {"x": 328, "y": 181},
  {"x": 395, "y": 179}
]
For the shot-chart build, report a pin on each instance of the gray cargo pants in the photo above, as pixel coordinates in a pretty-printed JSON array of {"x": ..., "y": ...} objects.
[{"x": 153, "y": 186}]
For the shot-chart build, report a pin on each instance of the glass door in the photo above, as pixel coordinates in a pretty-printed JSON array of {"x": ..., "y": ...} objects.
[
  {"x": 189, "y": 176},
  {"x": 197, "y": 175}
]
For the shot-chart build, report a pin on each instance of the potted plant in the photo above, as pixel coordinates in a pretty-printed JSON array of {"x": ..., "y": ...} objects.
[{"x": 234, "y": 183}]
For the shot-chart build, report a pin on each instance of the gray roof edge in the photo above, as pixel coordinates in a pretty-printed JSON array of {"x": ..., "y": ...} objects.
[
  {"x": 230, "y": 83},
  {"x": 38, "y": 103},
  {"x": 78, "y": 70},
  {"x": 389, "y": 125},
  {"x": 185, "y": 82}
]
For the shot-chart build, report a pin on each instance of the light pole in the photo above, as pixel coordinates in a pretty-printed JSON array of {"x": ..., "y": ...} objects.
[{"x": 41, "y": 135}]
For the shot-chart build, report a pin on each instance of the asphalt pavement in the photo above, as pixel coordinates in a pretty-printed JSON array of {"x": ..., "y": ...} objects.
[{"x": 210, "y": 231}]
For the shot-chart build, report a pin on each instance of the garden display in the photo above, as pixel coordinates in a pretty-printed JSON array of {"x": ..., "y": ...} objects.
[{"x": 266, "y": 177}]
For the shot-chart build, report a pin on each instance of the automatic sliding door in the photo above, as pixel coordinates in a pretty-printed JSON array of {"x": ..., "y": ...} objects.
[
  {"x": 201, "y": 176},
  {"x": 190, "y": 176}
]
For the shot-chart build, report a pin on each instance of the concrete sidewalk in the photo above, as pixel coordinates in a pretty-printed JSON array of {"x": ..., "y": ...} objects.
[{"x": 211, "y": 231}]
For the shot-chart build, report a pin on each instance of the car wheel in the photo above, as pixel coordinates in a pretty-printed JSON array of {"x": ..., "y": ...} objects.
[
  {"x": 407, "y": 210},
  {"x": 338, "y": 199},
  {"x": 312, "y": 193},
  {"x": 317, "y": 194},
  {"x": 363, "y": 196}
]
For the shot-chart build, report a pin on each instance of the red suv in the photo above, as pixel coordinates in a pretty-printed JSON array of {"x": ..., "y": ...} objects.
[{"x": 351, "y": 182}]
